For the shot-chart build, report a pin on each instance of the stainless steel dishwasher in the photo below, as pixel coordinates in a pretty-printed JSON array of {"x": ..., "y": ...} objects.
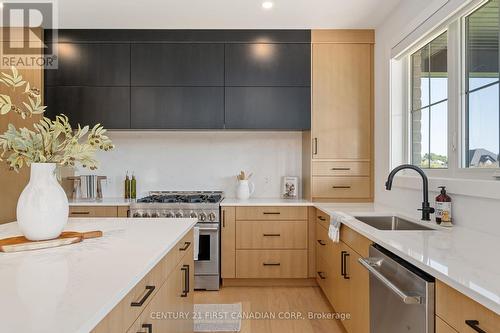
[{"x": 401, "y": 295}]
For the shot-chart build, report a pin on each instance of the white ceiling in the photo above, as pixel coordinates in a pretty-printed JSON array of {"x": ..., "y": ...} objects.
[{"x": 222, "y": 14}]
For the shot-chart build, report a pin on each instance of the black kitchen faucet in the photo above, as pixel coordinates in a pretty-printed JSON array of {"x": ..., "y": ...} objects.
[{"x": 426, "y": 209}]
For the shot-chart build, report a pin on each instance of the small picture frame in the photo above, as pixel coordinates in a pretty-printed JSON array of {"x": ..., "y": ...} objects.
[{"x": 290, "y": 187}]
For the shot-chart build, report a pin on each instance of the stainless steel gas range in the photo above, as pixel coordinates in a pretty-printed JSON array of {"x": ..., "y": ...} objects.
[{"x": 203, "y": 205}]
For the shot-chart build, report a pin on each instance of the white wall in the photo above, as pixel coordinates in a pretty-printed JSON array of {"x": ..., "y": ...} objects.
[
  {"x": 478, "y": 213},
  {"x": 200, "y": 160}
]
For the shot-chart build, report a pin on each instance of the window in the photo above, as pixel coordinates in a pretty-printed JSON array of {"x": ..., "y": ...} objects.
[
  {"x": 482, "y": 121},
  {"x": 429, "y": 104}
]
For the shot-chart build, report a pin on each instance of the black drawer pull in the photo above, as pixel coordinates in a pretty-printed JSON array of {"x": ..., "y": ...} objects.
[
  {"x": 149, "y": 328},
  {"x": 321, "y": 218},
  {"x": 321, "y": 242},
  {"x": 271, "y": 264},
  {"x": 150, "y": 290},
  {"x": 340, "y": 169},
  {"x": 186, "y": 246},
  {"x": 271, "y": 235},
  {"x": 343, "y": 264},
  {"x": 185, "y": 291},
  {"x": 474, "y": 324},
  {"x": 321, "y": 276},
  {"x": 271, "y": 213},
  {"x": 340, "y": 186},
  {"x": 80, "y": 213}
]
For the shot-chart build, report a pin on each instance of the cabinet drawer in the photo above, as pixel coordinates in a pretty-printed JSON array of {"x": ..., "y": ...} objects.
[
  {"x": 93, "y": 211},
  {"x": 178, "y": 252},
  {"x": 455, "y": 308},
  {"x": 271, "y": 213},
  {"x": 341, "y": 187},
  {"x": 337, "y": 168},
  {"x": 355, "y": 241},
  {"x": 271, "y": 263},
  {"x": 271, "y": 235},
  {"x": 323, "y": 219},
  {"x": 442, "y": 327},
  {"x": 325, "y": 278}
]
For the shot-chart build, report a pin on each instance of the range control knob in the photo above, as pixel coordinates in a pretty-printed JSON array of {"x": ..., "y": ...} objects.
[
  {"x": 155, "y": 214},
  {"x": 193, "y": 215},
  {"x": 146, "y": 214},
  {"x": 202, "y": 217},
  {"x": 211, "y": 216},
  {"x": 137, "y": 214},
  {"x": 170, "y": 214},
  {"x": 179, "y": 215}
]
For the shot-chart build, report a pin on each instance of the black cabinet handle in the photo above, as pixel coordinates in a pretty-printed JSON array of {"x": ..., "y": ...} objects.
[
  {"x": 80, "y": 213},
  {"x": 321, "y": 242},
  {"x": 149, "y": 291},
  {"x": 340, "y": 187},
  {"x": 474, "y": 324},
  {"x": 321, "y": 218},
  {"x": 148, "y": 327},
  {"x": 271, "y": 213},
  {"x": 271, "y": 264},
  {"x": 186, "y": 246},
  {"x": 343, "y": 264},
  {"x": 271, "y": 235},
  {"x": 185, "y": 291},
  {"x": 340, "y": 169},
  {"x": 223, "y": 218},
  {"x": 321, "y": 276}
]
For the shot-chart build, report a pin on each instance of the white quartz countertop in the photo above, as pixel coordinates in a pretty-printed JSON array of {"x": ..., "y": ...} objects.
[
  {"x": 72, "y": 288},
  {"x": 463, "y": 258},
  {"x": 101, "y": 202},
  {"x": 265, "y": 202}
]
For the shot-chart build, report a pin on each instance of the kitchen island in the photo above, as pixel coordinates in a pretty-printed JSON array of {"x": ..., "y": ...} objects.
[{"x": 91, "y": 285}]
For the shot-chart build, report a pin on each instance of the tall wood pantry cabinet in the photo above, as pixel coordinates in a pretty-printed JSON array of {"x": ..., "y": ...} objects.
[{"x": 340, "y": 144}]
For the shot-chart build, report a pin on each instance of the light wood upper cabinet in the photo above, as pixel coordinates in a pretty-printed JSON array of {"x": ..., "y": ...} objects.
[{"x": 341, "y": 99}]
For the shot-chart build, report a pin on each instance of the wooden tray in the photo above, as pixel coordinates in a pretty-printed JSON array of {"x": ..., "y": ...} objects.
[{"x": 20, "y": 243}]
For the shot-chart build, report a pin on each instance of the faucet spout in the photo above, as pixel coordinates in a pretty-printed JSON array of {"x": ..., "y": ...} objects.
[{"x": 426, "y": 208}]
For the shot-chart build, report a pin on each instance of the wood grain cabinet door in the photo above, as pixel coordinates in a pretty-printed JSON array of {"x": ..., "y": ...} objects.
[
  {"x": 228, "y": 243},
  {"x": 341, "y": 101}
]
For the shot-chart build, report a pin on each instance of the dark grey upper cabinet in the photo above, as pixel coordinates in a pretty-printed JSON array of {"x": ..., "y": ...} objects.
[
  {"x": 91, "y": 65},
  {"x": 109, "y": 106},
  {"x": 177, "y": 65},
  {"x": 268, "y": 64},
  {"x": 272, "y": 108},
  {"x": 177, "y": 107}
]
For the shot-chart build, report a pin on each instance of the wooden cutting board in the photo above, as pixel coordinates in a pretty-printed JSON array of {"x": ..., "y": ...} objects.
[{"x": 20, "y": 243}]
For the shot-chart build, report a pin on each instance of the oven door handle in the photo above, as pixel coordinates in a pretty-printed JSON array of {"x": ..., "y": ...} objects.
[
  {"x": 371, "y": 263},
  {"x": 208, "y": 229}
]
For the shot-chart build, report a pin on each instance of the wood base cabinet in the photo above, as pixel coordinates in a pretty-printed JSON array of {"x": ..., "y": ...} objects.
[
  {"x": 342, "y": 279},
  {"x": 162, "y": 301},
  {"x": 98, "y": 211},
  {"x": 459, "y": 313},
  {"x": 264, "y": 243}
]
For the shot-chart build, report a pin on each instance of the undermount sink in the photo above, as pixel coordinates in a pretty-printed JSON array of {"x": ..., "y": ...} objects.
[{"x": 391, "y": 223}]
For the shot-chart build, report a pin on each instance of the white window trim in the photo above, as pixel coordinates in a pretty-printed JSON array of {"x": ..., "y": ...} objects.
[{"x": 458, "y": 179}]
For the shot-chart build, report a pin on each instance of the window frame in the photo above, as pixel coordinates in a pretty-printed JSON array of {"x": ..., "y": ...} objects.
[{"x": 456, "y": 30}]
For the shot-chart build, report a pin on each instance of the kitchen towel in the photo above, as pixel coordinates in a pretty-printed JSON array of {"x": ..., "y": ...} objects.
[
  {"x": 334, "y": 229},
  {"x": 196, "y": 245}
]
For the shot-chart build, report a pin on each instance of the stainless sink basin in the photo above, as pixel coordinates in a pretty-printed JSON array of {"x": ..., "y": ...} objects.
[{"x": 391, "y": 223}]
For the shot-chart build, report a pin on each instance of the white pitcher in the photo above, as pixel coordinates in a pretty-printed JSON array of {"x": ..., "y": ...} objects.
[{"x": 245, "y": 189}]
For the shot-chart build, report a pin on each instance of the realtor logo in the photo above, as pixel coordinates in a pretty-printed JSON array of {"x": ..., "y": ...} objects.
[{"x": 25, "y": 26}]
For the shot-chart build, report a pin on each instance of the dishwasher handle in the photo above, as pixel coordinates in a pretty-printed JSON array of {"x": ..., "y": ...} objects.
[{"x": 371, "y": 263}]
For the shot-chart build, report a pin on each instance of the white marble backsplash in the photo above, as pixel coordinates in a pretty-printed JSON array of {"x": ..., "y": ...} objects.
[{"x": 200, "y": 160}]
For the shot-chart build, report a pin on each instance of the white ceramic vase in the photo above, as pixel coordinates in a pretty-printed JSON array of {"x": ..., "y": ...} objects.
[
  {"x": 245, "y": 189},
  {"x": 42, "y": 208}
]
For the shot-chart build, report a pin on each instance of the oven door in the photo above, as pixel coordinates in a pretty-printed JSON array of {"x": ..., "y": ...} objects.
[{"x": 208, "y": 249}]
